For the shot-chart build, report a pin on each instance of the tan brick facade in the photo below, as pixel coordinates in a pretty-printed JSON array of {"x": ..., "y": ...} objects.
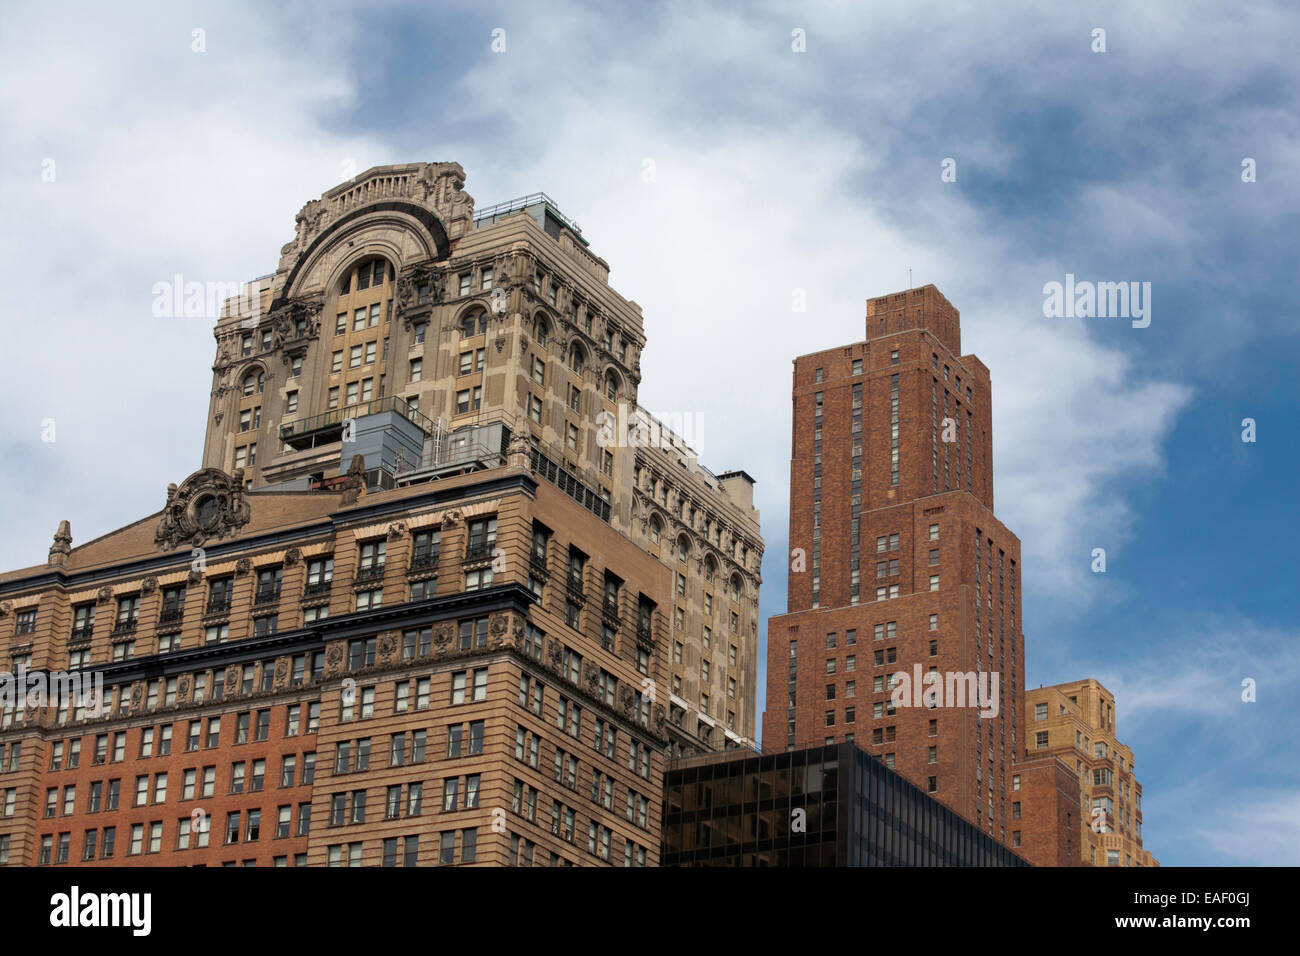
[
  {"x": 473, "y": 664},
  {"x": 1074, "y": 725},
  {"x": 509, "y": 311}
]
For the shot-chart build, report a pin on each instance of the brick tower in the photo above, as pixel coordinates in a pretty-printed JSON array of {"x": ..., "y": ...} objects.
[{"x": 891, "y": 481}]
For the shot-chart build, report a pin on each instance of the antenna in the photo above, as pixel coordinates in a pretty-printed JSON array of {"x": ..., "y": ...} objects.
[{"x": 909, "y": 278}]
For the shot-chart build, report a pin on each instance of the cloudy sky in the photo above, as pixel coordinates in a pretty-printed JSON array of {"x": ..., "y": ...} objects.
[{"x": 718, "y": 170}]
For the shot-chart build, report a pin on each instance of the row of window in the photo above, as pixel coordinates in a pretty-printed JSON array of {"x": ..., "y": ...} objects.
[{"x": 192, "y": 832}]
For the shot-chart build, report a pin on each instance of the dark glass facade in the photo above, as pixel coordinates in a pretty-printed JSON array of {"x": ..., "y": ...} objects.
[{"x": 823, "y": 806}]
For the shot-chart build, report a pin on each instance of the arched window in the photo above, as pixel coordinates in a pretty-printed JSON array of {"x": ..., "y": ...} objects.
[
  {"x": 542, "y": 331},
  {"x": 709, "y": 569},
  {"x": 254, "y": 382},
  {"x": 683, "y": 549},
  {"x": 735, "y": 587},
  {"x": 655, "y": 529},
  {"x": 475, "y": 323},
  {"x": 611, "y": 386},
  {"x": 576, "y": 358},
  {"x": 367, "y": 274}
]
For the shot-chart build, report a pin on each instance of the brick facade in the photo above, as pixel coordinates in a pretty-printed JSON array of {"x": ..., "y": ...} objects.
[{"x": 938, "y": 576}]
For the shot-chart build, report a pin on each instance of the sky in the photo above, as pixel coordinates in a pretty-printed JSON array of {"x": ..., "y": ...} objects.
[{"x": 729, "y": 162}]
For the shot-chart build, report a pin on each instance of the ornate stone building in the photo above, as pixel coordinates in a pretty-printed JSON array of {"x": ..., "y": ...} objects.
[
  {"x": 422, "y": 603},
  {"x": 394, "y": 294}
]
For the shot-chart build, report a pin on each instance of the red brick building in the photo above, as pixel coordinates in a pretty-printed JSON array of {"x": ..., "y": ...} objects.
[{"x": 898, "y": 564}]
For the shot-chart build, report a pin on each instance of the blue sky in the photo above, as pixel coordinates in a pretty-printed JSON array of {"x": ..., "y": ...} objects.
[{"x": 772, "y": 171}]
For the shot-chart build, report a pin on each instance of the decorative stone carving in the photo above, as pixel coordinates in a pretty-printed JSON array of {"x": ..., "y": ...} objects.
[
  {"x": 396, "y": 530},
  {"x": 62, "y": 545},
  {"x": 281, "y": 670},
  {"x": 519, "y": 630},
  {"x": 137, "y": 696},
  {"x": 195, "y": 576},
  {"x": 498, "y": 625},
  {"x": 208, "y": 504},
  {"x": 104, "y": 595},
  {"x": 232, "y": 679},
  {"x": 308, "y": 221},
  {"x": 625, "y": 698},
  {"x": 355, "y": 483},
  {"x": 149, "y": 585},
  {"x": 243, "y": 566},
  {"x": 407, "y": 300},
  {"x": 334, "y": 655},
  {"x": 553, "y": 653},
  {"x": 5, "y": 608},
  {"x": 183, "y": 687},
  {"x": 387, "y": 646},
  {"x": 661, "y": 716},
  {"x": 292, "y": 557},
  {"x": 284, "y": 321},
  {"x": 442, "y": 636},
  {"x": 518, "y": 452},
  {"x": 450, "y": 518},
  {"x": 590, "y": 676}
]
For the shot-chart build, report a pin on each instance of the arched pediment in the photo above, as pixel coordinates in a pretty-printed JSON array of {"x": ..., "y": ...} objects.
[{"x": 399, "y": 214}]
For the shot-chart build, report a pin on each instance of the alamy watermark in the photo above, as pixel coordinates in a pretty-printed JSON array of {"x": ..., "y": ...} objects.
[
  {"x": 947, "y": 689},
  {"x": 633, "y": 427},
  {"x": 1102, "y": 300},
  {"x": 176, "y": 298},
  {"x": 24, "y": 689}
]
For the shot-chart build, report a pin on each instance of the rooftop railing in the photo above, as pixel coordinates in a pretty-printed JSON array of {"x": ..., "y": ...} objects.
[
  {"x": 335, "y": 417},
  {"x": 524, "y": 202}
]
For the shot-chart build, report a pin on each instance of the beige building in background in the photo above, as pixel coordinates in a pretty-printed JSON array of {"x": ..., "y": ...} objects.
[{"x": 1076, "y": 723}]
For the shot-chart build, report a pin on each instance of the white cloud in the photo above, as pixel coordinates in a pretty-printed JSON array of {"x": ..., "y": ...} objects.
[
  {"x": 202, "y": 174},
  {"x": 166, "y": 161},
  {"x": 1250, "y": 828}
]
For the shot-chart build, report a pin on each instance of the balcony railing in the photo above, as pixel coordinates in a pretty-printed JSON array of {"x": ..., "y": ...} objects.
[
  {"x": 424, "y": 560},
  {"x": 316, "y": 589},
  {"x": 216, "y": 606},
  {"x": 370, "y": 572},
  {"x": 573, "y": 584},
  {"x": 479, "y": 551},
  {"x": 171, "y": 615},
  {"x": 126, "y": 626},
  {"x": 267, "y": 594},
  {"x": 334, "y": 418},
  {"x": 81, "y": 632},
  {"x": 610, "y": 606}
]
